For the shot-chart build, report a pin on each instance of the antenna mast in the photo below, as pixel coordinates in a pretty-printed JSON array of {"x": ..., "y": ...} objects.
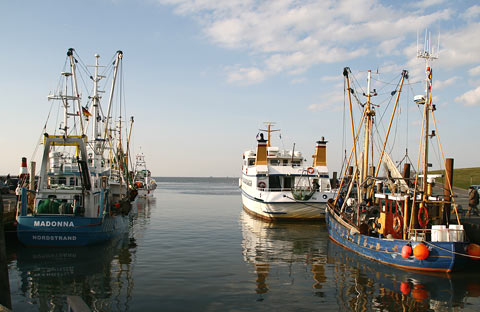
[{"x": 428, "y": 55}]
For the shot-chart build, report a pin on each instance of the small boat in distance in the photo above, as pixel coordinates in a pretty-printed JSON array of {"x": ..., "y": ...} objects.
[
  {"x": 277, "y": 184},
  {"x": 71, "y": 204},
  {"x": 143, "y": 180}
]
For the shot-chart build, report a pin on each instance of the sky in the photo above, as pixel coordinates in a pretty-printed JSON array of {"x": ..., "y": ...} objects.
[{"x": 202, "y": 76}]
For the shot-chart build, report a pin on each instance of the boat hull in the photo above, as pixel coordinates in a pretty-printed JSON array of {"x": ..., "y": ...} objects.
[
  {"x": 71, "y": 231},
  {"x": 286, "y": 210},
  {"x": 443, "y": 256}
]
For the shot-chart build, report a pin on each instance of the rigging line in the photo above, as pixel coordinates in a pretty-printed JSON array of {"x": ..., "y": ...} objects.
[
  {"x": 406, "y": 108},
  {"x": 387, "y": 83},
  {"x": 356, "y": 82},
  {"x": 418, "y": 169},
  {"x": 447, "y": 177},
  {"x": 42, "y": 132},
  {"x": 344, "y": 137},
  {"x": 450, "y": 251}
]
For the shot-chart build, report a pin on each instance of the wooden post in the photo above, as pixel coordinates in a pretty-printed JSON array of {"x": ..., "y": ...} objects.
[
  {"x": 334, "y": 180},
  {"x": 447, "y": 190},
  {"x": 32, "y": 176},
  {"x": 5, "y": 299},
  {"x": 406, "y": 173}
]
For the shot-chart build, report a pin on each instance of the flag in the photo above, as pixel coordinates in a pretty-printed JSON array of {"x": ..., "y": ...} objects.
[{"x": 85, "y": 112}]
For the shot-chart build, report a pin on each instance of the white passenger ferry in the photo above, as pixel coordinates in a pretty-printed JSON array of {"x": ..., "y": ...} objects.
[{"x": 277, "y": 184}]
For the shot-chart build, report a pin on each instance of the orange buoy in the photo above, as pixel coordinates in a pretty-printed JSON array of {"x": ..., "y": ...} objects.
[
  {"x": 406, "y": 251},
  {"x": 421, "y": 251},
  {"x": 419, "y": 292},
  {"x": 405, "y": 288},
  {"x": 474, "y": 250}
]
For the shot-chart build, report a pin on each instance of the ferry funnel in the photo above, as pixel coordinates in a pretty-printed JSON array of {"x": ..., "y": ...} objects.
[
  {"x": 320, "y": 157},
  {"x": 261, "y": 158}
]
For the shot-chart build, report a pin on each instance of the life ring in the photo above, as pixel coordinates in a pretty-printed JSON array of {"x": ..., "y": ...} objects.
[
  {"x": 262, "y": 184},
  {"x": 310, "y": 170},
  {"x": 397, "y": 224},
  {"x": 423, "y": 216}
]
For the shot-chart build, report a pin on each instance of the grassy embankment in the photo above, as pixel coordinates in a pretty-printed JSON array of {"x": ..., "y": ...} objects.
[{"x": 463, "y": 177}]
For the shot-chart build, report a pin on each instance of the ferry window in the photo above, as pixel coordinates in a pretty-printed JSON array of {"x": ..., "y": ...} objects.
[
  {"x": 62, "y": 180},
  {"x": 296, "y": 163},
  {"x": 274, "y": 162},
  {"x": 274, "y": 183},
  {"x": 287, "y": 182},
  {"x": 285, "y": 162},
  {"x": 72, "y": 181},
  {"x": 251, "y": 162}
]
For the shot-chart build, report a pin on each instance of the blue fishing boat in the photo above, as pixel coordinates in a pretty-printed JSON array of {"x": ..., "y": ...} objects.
[
  {"x": 397, "y": 220},
  {"x": 71, "y": 204}
]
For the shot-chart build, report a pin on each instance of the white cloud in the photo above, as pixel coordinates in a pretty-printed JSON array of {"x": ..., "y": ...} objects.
[
  {"x": 389, "y": 46},
  {"x": 292, "y": 36},
  {"x": 474, "y": 71},
  {"x": 332, "y": 78},
  {"x": 298, "y": 80},
  {"x": 439, "y": 84},
  {"x": 427, "y": 3},
  {"x": 460, "y": 46},
  {"x": 472, "y": 12},
  {"x": 246, "y": 75},
  {"x": 332, "y": 102},
  {"x": 470, "y": 98}
]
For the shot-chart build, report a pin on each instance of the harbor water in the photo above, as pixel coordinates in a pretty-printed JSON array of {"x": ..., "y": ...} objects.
[{"x": 191, "y": 247}]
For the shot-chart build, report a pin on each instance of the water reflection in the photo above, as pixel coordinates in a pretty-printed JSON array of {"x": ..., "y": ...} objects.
[
  {"x": 284, "y": 254},
  {"x": 101, "y": 275},
  {"x": 364, "y": 285}
]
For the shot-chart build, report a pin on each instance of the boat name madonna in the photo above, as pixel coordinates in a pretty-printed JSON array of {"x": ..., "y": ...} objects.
[{"x": 54, "y": 223}]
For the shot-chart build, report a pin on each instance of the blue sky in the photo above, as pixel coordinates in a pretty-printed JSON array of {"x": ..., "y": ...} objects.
[{"x": 201, "y": 76}]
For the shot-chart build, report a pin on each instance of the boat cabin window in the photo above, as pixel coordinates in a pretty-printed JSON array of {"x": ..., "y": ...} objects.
[
  {"x": 274, "y": 183},
  {"x": 295, "y": 163},
  {"x": 275, "y": 162},
  {"x": 52, "y": 205},
  {"x": 285, "y": 162},
  {"x": 251, "y": 162},
  {"x": 288, "y": 182}
]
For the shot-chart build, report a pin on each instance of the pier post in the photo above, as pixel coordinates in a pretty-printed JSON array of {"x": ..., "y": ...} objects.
[
  {"x": 333, "y": 184},
  {"x": 447, "y": 190},
  {"x": 32, "y": 175},
  {"x": 406, "y": 173},
  {"x": 5, "y": 298}
]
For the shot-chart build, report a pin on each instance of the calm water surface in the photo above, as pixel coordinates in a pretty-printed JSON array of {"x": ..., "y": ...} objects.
[{"x": 192, "y": 248}]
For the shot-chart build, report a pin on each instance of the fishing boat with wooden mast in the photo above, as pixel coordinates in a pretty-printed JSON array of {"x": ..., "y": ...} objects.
[
  {"x": 71, "y": 204},
  {"x": 278, "y": 185},
  {"x": 403, "y": 224}
]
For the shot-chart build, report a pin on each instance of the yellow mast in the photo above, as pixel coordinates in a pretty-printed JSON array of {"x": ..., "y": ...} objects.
[
  {"x": 269, "y": 130},
  {"x": 345, "y": 73}
]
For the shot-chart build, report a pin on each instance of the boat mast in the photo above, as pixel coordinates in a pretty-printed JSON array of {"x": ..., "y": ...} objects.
[
  {"x": 76, "y": 96},
  {"x": 369, "y": 113},
  {"x": 269, "y": 130},
  {"x": 97, "y": 135},
  {"x": 110, "y": 99},
  {"x": 428, "y": 55},
  {"x": 127, "y": 154}
]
